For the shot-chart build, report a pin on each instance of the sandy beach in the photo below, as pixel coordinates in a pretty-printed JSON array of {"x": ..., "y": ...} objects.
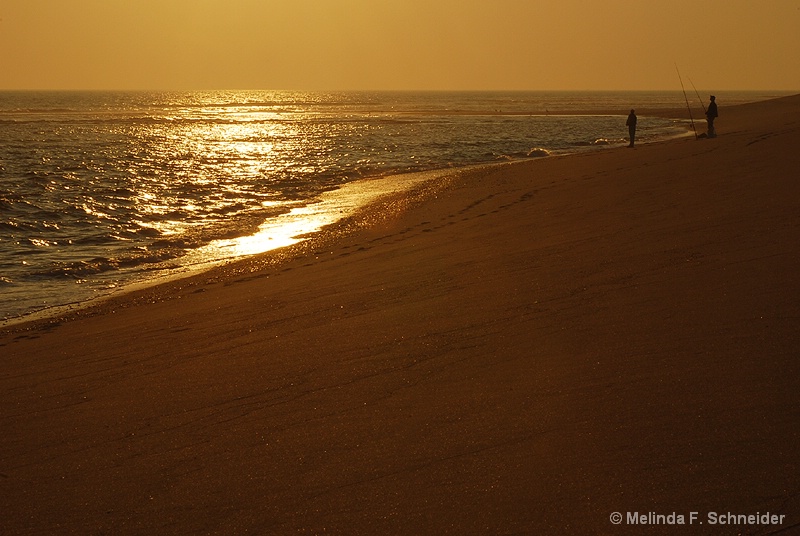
[{"x": 523, "y": 348}]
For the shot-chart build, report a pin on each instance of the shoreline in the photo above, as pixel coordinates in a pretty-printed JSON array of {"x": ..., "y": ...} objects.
[
  {"x": 393, "y": 189},
  {"x": 167, "y": 275},
  {"x": 401, "y": 189},
  {"x": 528, "y": 349}
]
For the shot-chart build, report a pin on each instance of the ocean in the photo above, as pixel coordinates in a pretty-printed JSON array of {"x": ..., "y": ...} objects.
[{"x": 99, "y": 190}]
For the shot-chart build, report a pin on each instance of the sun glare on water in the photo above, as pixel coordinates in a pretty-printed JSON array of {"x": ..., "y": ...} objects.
[{"x": 300, "y": 222}]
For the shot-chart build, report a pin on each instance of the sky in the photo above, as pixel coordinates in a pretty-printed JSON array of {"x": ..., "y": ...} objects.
[{"x": 399, "y": 44}]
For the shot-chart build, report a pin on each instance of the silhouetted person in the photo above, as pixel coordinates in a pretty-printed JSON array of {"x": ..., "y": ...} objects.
[
  {"x": 712, "y": 114},
  {"x": 631, "y": 122}
]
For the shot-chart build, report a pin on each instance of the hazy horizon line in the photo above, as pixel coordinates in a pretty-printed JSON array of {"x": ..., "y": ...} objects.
[{"x": 400, "y": 90}]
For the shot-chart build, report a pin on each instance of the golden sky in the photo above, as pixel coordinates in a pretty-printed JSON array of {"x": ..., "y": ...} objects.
[{"x": 399, "y": 44}]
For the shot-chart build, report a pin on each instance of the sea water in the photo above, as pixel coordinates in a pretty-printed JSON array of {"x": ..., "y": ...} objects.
[{"x": 100, "y": 189}]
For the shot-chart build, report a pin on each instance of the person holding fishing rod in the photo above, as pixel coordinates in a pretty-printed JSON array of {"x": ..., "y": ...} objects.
[{"x": 712, "y": 114}]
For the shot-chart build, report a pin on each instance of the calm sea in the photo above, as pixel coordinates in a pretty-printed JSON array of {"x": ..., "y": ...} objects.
[{"x": 100, "y": 189}]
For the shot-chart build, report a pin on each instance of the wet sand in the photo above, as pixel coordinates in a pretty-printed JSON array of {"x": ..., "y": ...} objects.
[{"x": 523, "y": 348}]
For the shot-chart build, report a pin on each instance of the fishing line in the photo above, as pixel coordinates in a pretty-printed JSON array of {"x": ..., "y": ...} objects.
[{"x": 698, "y": 95}]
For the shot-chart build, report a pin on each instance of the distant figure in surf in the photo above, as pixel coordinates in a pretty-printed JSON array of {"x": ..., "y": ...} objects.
[
  {"x": 712, "y": 114},
  {"x": 631, "y": 122}
]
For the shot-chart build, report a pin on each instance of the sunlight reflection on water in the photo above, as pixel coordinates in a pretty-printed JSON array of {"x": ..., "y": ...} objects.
[{"x": 300, "y": 222}]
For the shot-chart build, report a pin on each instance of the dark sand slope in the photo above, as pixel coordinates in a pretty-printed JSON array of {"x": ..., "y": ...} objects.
[{"x": 537, "y": 346}]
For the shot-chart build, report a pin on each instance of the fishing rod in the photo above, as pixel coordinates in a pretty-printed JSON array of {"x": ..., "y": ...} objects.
[
  {"x": 687, "y": 103},
  {"x": 698, "y": 95}
]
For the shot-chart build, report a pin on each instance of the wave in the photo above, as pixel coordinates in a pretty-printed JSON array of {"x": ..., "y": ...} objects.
[
  {"x": 98, "y": 265},
  {"x": 536, "y": 152},
  {"x": 600, "y": 142}
]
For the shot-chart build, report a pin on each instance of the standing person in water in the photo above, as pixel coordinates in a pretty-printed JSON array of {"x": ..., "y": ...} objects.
[
  {"x": 631, "y": 123},
  {"x": 712, "y": 114}
]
